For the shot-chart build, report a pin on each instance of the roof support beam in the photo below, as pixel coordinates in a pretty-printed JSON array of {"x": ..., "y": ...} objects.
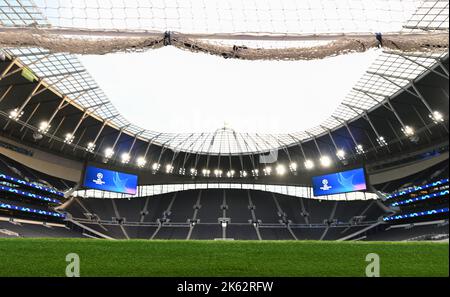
[
  {"x": 21, "y": 108},
  {"x": 422, "y": 120},
  {"x": 331, "y": 137},
  {"x": 443, "y": 67},
  {"x": 99, "y": 132},
  {"x": 21, "y": 67},
  {"x": 370, "y": 92},
  {"x": 134, "y": 141},
  {"x": 420, "y": 96},
  {"x": 84, "y": 91},
  {"x": 29, "y": 118},
  {"x": 404, "y": 88},
  {"x": 57, "y": 129},
  {"x": 387, "y": 101},
  {"x": 83, "y": 117},
  {"x": 69, "y": 73},
  {"x": 395, "y": 133},
  {"x": 6, "y": 93},
  {"x": 27, "y": 100},
  {"x": 315, "y": 142},
  {"x": 389, "y": 75},
  {"x": 8, "y": 68},
  {"x": 342, "y": 121},
  {"x": 420, "y": 64},
  {"x": 299, "y": 143}
]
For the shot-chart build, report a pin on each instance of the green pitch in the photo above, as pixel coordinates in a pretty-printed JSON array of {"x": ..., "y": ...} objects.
[{"x": 47, "y": 257}]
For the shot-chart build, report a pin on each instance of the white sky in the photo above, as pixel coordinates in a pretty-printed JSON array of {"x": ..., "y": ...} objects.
[{"x": 169, "y": 90}]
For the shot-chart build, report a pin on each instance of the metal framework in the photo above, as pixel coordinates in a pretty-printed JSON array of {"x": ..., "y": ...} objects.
[{"x": 389, "y": 74}]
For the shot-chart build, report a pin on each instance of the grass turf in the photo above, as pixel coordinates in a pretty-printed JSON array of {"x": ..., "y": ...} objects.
[{"x": 46, "y": 257}]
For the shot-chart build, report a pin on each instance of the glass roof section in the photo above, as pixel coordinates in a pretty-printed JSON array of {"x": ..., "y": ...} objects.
[{"x": 387, "y": 75}]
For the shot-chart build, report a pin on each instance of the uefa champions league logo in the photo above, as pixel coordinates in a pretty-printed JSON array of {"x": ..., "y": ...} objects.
[
  {"x": 325, "y": 186},
  {"x": 99, "y": 181}
]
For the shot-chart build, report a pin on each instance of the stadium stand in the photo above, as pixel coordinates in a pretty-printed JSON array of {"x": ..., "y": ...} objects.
[
  {"x": 227, "y": 214},
  {"x": 255, "y": 215},
  {"x": 27, "y": 228}
]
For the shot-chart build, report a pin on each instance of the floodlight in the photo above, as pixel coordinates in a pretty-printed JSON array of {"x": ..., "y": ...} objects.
[
  {"x": 231, "y": 173},
  {"x": 90, "y": 147},
  {"x": 44, "y": 126},
  {"x": 267, "y": 171},
  {"x": 340, "y": 154},
  {"x": 293, "y": 167},
  {"x": 280, "y": 169},
  {"x": 437, "y": 117},
  {"x": 359, "y": 149},
  {"x": 156, "y": 166},
  {"x": 193, "y": 172},
  {"x": 255, "y": 172},
  {"x": 309, "y": 164},
  {"x": 408, "y": 131},
  {"x": 243, "y": 173},
  {"x": 169, "y": 168},
  {"x": 381, "y": 141},
  {"x": 125, "y": 158},
  {"x": 15, "y": 114},
  {"x": 109, "y": 152},
  {"x": 218, "y": 172},
  {"x": 325, "y": 161},
  {"x": 140, "y": 162},
  {"x": 69, "y": 138}
]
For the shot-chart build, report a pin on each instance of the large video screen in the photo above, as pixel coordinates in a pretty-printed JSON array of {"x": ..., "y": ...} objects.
[
  {"x": 340, "y": 182},
  {"x": 108, "y": 180}
]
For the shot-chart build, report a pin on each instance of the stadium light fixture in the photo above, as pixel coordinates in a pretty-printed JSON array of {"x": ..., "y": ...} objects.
[
  {"x": 44, "y": 126},
  {"x": 325, "y": 161},
  {"x": 224, "y": 224},
  {"x": 206, "y": 172},
  {"x": 140, "y": 162},
  {"x": 182, "y": 171},
  {"x": 280, "y": 169},
  {"x": 169, "y": 169},
  {"x": 437, "y": 117},
  {"x": 231, "y": 173},
  {"x": 155, "y": 167},
  {"x": 193, "y": 172},
  {"x": 359, "y": 149},
  {"x": 267, "y": 171},
  {"x": 381, "y": 141},
  {"x": 15, "y": 114},
  {"x": 309, "y": 164},
  {"x": 255, "y": 172},
  {"x": 243, "y": 173},
  {"x": 408, "y": 131},
  {"x": 90, "y": 147},
  {"x": 293, "y": 167},
  {"x": 109, "y": 152},
  {"x": 218, "y": 172},
  {"x": 340, "y": 154},
  {"x": 69, "y": 138},
  {"x": 125, "y": 158}
]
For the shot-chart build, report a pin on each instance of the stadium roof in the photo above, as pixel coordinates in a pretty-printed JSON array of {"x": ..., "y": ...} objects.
[{"x": 389, "y": 74}]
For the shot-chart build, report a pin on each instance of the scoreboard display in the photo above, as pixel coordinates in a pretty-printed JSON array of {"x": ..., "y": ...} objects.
[
  {"x": 340, "y": 182},
  {"x": 111, "y": 181}
]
